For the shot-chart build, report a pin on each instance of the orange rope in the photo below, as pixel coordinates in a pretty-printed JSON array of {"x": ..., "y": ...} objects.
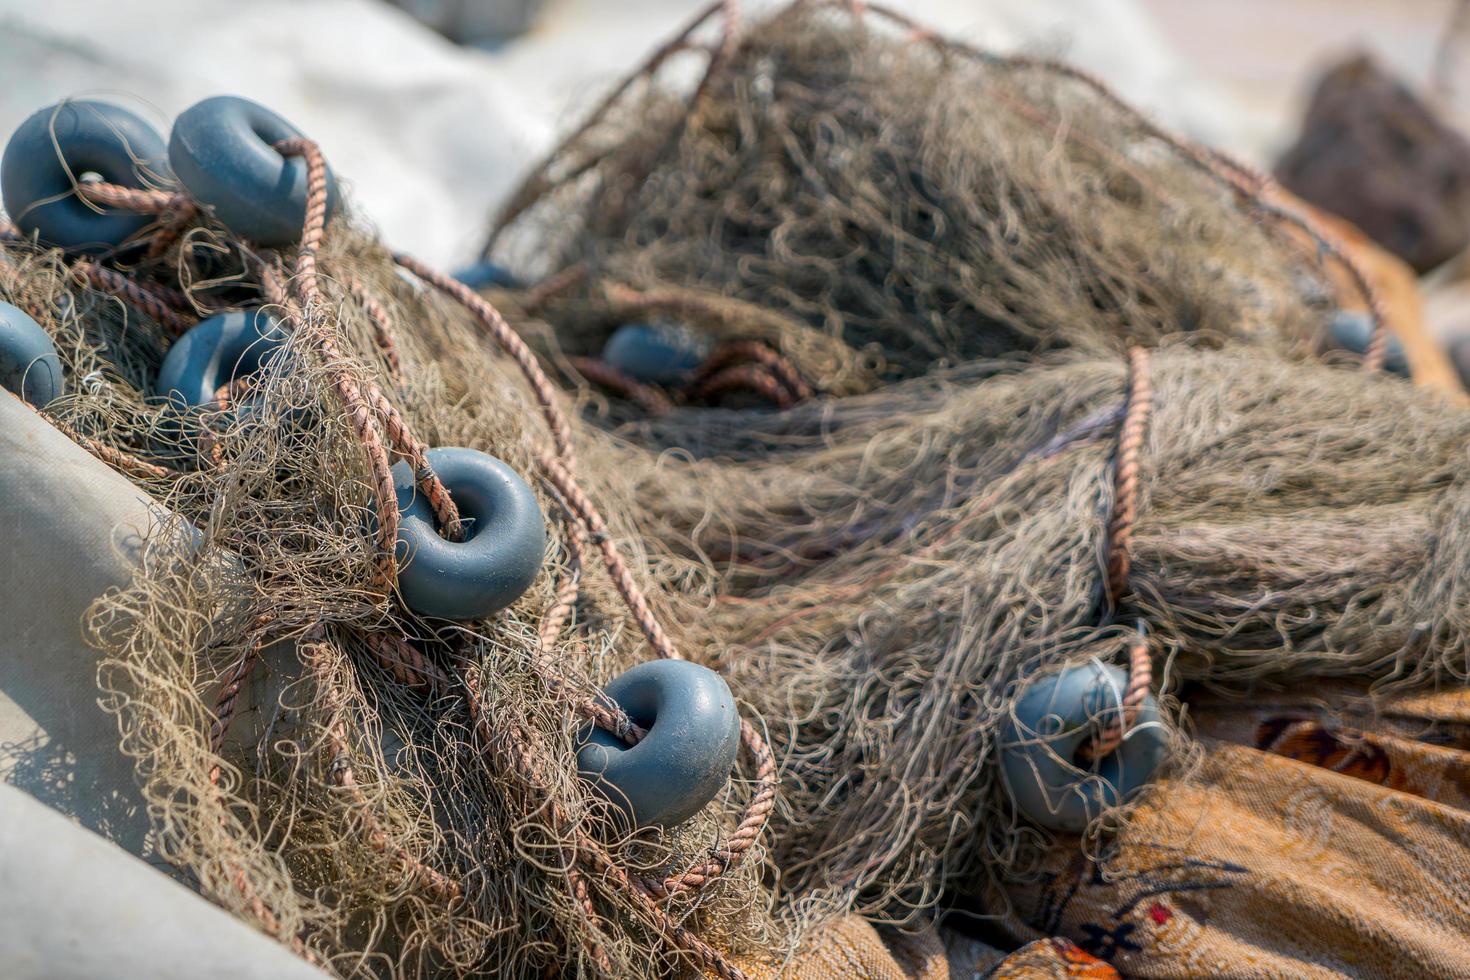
[
  {"x": 1140, "y": 679},
  {"x": 1120, "y": 539},
  {"x": 649, "y": 398},
  {"x": 1125, "y": 476}
]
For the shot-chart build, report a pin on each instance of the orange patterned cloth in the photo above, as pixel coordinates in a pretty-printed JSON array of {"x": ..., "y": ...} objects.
[
  {"x": 852, "y": 949},
  {"x": 1320, "y": 838},
  {"x": 1050, "y": 959}
]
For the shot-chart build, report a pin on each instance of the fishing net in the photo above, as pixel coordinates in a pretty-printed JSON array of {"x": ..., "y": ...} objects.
[
  {"x": 961, "y": 252},
  {"x": 884, "y": 592},
  {"x": 958, "y": 254},
  {"x": 877, "y": 203},
  {"x": 400, "y": 797}
]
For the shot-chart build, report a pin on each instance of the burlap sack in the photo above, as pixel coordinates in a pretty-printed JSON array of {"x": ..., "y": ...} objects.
[
  {"x": 1321, "y": 839},
  {"x": 852, "y": 949}
]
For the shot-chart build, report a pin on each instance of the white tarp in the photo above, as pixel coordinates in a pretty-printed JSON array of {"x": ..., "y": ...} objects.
[
  {"x": 71, "y": 527},
  {"x": 74, "y": 907}
]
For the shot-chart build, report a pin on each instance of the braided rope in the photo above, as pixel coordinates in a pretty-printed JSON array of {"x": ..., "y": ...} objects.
[
  {"x": 118, "y": 459},
  {"x": 411, "y": 668},
  {"x": 649, "y": 398},
  {"x": 757, "y": 812},
  {"x": 1126, "y": 474},
  {"x": 383, "y": 326},
  {"x": 1140, "y": 679},
  {"x": 141, "y": 200},
  {"x": 510, "y": 342},
  {"x": 361, "y": 405},
  {"x": 234, "y": 680},
  {"x": 359, "y": 416},
  {"x": 177, "y": 209},
  {"x": 602, "y": 712},
  {"x": 753, "y": 350},
  {"x": 172, "y": 229},
  {"x": 559, "y": 470},
  {"x": 158, "y": 302},
  {"x": 553, "y": 286},
  {"x": 405, "y": 662},
  {"x": 416, "y": 453},
  {"x": 584, "y": 511},
  {"x": 569, "y": 588},
  {"x": 583, "y": 894},
  {"x": 753, "y": 377},
  {"x": 1139, "y": 407},
  {"x": 225, "y": 702}
]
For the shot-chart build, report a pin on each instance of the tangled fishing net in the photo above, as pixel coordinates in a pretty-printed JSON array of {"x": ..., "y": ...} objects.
[
  {"x": 890, "y": 203},
  {"x": 402, "y": 797},
  {"x": 940, "y": 265},
  {"x": 882, "y": 595},
  {"x": 959, "y": 250}
]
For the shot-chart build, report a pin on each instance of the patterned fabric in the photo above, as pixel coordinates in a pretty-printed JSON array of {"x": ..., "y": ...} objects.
[
  {"x": 1050, "y": 959},
  {"x": 1318, "y": 839},
  {"x": 852, "y": 949}
]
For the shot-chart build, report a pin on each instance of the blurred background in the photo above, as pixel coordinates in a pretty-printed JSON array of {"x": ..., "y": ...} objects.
[{"x": 432, "y": 108}]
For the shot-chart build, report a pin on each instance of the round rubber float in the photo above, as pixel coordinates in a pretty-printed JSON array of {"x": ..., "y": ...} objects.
[
  {"x": 1352, "y": 330},
  {"x": 55, "y": 149},
  {"x": 1048, "y": 780},
  {"x": 215, "y": 352},
  {"x": 29, "y": 366},
  {"x": 653, "y": 354},
  {"x": 503, "y": 550},
  {"x": 686, "y": 758},
  {"x": 483, "y": 275},
  {"x": 223, "y": 152}
]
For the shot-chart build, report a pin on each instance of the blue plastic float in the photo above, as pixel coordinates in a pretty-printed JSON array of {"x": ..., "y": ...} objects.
[
  {"x": 214, "y": 353},
  {"x": 505, "y": 540},
  {"x": 1048, "y": 779},
  {"x": 1352, "y": 330},
  {"x": 484, "y": 274},
  {"x": 653, "y": 354},
  {"x": 223, "y": 152},
  {"x": 686, "y": 758},
  {"x": 29, "y": 366},
  {"x": 59, "y": 146}
]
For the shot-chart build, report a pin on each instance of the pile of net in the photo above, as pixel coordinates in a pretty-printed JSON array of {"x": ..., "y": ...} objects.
[
  {"x": 891, "y": 203},
  {"x": 385, "y": 794},
  {"x": 954, "y": 253},
  {"x": 883, "y": 593},
  {"x": 909, "y": 500}
]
